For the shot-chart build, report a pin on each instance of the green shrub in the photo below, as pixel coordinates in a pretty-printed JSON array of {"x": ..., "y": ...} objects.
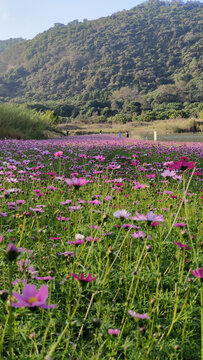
[{"x": 17, "y": 121}]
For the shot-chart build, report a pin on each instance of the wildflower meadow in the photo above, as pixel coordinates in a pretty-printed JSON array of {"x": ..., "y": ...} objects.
[{"x": 100, "y": 249}]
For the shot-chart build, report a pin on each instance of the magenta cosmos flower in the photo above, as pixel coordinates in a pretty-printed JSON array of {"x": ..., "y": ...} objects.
[
  {"x": 198, "y": 273},
  {"x": 58, "y": 153},
  {"x": 150, "y": 217},
  {"x": 138, "y": 316},
  {"x": 76, "y": 182},
  {"x": 113, "y": 332},
  {"x": 137, "y": 185},
  {"x": 84, "y": 279},
  {"x": 31, "y": 297},
  {"x": 76, "y": 242},
  {"x": 183, "y": 246},
  {"x": 180, "y": 224},
  {"x": 182, "y": 165}
]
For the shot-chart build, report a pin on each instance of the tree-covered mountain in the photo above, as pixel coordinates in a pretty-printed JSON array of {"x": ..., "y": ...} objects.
[
  {"x": 6, "y": 44},
  {"x": 154, "y": 48}
]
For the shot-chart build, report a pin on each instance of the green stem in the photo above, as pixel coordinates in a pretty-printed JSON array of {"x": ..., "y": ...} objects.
[
  {"x": 10, "y": 309},
  {"x": 53, "y": 347},
  {"x": 2, "y": 336},
  {"x": 180, "y": 206},
  {"x": 201, "y": 302}
]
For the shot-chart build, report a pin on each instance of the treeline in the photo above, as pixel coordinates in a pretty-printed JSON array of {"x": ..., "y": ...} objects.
[{"x": 125, "y": 105}]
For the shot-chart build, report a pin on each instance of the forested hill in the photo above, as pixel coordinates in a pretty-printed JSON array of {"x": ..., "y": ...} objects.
[
  {"x": 152, "y": 44},
  {"x": 6, "y": 44}
]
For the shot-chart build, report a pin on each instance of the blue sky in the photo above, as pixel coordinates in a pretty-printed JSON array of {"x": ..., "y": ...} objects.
[{"x": 27, "y": 18}]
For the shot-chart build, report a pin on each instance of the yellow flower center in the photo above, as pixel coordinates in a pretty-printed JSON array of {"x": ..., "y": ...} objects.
[{"x": 32, "y": 299}]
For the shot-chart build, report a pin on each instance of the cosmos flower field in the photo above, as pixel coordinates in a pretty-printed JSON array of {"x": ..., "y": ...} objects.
[{"x": 100, "y": 249}]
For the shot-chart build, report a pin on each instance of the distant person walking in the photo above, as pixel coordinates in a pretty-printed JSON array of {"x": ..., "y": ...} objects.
[
  {"x": 67, "y": 132},
  {"x": 127, "y": 134},
  {"x": 119, "y": 135}
]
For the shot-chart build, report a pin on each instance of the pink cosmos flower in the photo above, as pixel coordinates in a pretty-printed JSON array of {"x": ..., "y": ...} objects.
[
  {"x": 91, "y": 239},
  {"x": 167, "y": 173},
  {"x": 150, "y": 217},
  {"x": 83, "y": 279},
  {"x": 180, "y": 224},
  {"x": 25, "y": 265},
  {"x": 18, "y": 281},
  {"x": 122, "y": 214},
  {"x": 3, "y": 214},
  {"x": 37, "y": 209},
  {"x": 76, "y": 182},
  {"x": 67, "y": 253},
  {"x": 138, "y": 316},
  {"x": 65, "y": 202},
  {"x": 182, "y": 165},
  {"x": 100, "y": 158},
  {"x": 94, "y": 227},
  {"x": 58, "y": 153},
  {"x": 96, "y": 172},
  {"x": 113, "y": 332},
  {"x": 108, "y": 198},
  {"x": 114, "y": 166},
  {"x": 63, "y": 218},
  {"x": 183, "y": 246},
  {"x": 150, "y": 176},
  {"x": 76, "y": 242},
  {"x": 31, "y": 297},
  {"x": 198, "y": 273},
  {"x": 74, "y": 207},
  {"x": 183, "y": 158},
  {"x": 138, "y": 234},
  {"x": 44, "y": 278},
  {"x": 137, "y": 185}
]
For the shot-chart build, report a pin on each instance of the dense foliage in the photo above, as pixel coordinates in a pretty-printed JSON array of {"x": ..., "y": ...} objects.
[
  {"x": 129, "y": 62},
  {"x": 18, "y": 122},
  {"x": 5, "y": 44}
]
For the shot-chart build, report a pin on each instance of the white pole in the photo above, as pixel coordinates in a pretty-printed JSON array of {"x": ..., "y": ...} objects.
[{"x": 155, "y": 135}]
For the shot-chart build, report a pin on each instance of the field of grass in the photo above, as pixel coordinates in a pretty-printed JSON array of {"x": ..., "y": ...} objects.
[
  {"x": 136, "y": 129},
  {"x": 100, "y": 249},
  {"x": 19, "y": 122}
]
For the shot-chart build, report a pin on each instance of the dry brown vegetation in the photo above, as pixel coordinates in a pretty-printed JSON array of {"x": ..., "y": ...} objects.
[{"x": 136, "y": 130}]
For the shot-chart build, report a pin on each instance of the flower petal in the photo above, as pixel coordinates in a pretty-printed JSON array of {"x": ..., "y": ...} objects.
[{"x": 42, "y": 294}]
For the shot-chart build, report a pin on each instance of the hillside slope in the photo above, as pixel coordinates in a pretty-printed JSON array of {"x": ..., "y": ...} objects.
[
  {"x": 6, "y": 44},
  {"x": 152, "y": 44}
]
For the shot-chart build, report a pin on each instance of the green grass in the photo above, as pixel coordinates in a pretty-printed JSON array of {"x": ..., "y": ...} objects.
[
  {"x": 18, "y": 122},
  {"x": 147, "y": 275}
]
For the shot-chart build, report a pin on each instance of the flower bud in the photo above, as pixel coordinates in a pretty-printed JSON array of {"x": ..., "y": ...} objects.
[
  {"x": 3, "y": 294},
  {"x": 96, "y": 322},
  {"x": 12, "y": 252}
]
